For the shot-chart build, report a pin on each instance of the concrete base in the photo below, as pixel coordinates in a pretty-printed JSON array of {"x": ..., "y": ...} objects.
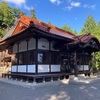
[
  {"x": 75, "y": 78},
  {"x": 65, "y": 81},
  {"x": 72, "y": 80}
]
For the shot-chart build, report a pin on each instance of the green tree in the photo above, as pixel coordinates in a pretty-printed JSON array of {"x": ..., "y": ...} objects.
[
  {"x": 32, "y": 15},
  {"x": 67, "y": 28},
  {"x": 98, "y": 30},
  {"x": 75, "y": 32},
  {"x": 49, "y": 23},
  {"x": 3, "y": 32},
  {"x": 89, "y": 26},
  {"x": 6, "y": 16},
  {"x": 17, "y": 12}
]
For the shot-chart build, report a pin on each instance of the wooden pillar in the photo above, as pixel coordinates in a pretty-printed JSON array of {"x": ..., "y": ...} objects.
[
  {"x": 26, "y": 55},
  {"x": 49, "y": 55},
  {"x": 4, "y": 52},
  {"x": 90, "y": 66},
  {"x": 36, "y": 55},
  {"x": 75, "y": 64},
  {"x": 17, "y": 56},
  {"x": 68, "y": 58},
  {"x": 3, "y": 57},
  {"x": 0, "y": 58}
]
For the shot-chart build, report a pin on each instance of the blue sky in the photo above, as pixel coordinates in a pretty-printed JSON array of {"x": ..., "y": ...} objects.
[{"x": 60, "y": 12}]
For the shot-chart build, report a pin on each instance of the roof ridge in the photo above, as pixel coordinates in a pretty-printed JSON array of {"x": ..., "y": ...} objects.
[{"x": 46, "y": 24}]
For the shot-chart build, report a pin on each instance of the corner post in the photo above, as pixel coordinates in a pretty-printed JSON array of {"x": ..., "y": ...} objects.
[{"x": 75, "y": 64}]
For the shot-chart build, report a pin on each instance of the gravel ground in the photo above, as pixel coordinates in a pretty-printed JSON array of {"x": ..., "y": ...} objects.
[{"x": 54, "y": 91}]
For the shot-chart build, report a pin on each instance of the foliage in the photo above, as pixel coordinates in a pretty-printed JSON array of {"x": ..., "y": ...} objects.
[
  {"x": 49, "y": 23},
  {"x": 75, "y": 32},
  {"x": 17, "y": 12},
  {"x": 32, "y": 15},
  {"x": 89, "y": 26},
  {"x": 8, "y": 16},
  {"x": 67, "y": 28},
  {"x": 3, "y": 32},
  {"x": 97, "y": 60},
  {"x": 98, "y": 30}
]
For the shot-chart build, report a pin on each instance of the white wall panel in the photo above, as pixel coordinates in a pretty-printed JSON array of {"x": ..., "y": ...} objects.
[
  {"x": 55, "y": 68},
  {"x": 43, "y": 68},
  {"x": 31, "y": 68},
  {"x": 80, "y": 67},
  {"x": 86, "y": 67},
  {"x": 32, "y": 44},
  {"x": 43, "y": 44},
  {"x": 23, "y": 46},
  {"x": 21, "y": 68},
  {"x": 15, "y": 48},
  {"x": 14, "y": 69}
]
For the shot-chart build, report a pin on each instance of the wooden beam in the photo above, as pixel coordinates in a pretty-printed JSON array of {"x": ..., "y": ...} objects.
[
  {"x": 49, "y": 56},
  {"x": 17, "y": 56},
  {"x": 26, "y": 56},
  {"x": 37, "y": 55},
  {"x": 75, "y": 64}
]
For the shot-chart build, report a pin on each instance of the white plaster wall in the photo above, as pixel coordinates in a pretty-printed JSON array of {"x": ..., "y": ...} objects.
[
  {"x": 43, "y": 44},
  {"x": 55, "y": 68},
  {"x": 86, "y": 67},
  {"x": 23, "y": 46},
  {"x": 32, "y": 44},
  {"x": 21, "y": 68},
  {"x": 15, "y": 48},
  {"x": 14, "y": 69},
  {"x": 80, "y": 67},
  {"x": 31, "y": 68},
  {"x": 43, "y": 68}
]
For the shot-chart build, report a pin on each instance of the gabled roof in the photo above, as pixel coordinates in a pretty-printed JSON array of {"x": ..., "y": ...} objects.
[
  {"x": 24, "y": 23},
  {"x": 87, "y": 42},
  {"x": 85, "y": 38}
]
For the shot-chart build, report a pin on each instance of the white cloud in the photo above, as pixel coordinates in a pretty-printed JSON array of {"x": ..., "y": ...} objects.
[
  {"x": 21, "y": 3},
  {"x": 56, "y": 1},
  {"x": 90, "y": 7},
  {"x": 27, "y": 8},
  {"x": 75, "y": 4},
  {"x": 86, "y": 6},
  {"x": 53, "y": 1},
  {"x": 93, "y": 6},
  {"x": 72, "y": 4},
  {"x": 68, "y": 7},
  {"x": 17, "y": 2}
]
